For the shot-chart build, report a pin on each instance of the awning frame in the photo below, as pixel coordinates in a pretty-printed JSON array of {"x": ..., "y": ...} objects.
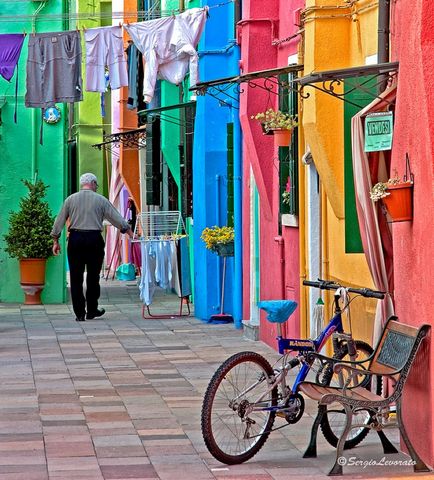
[
  {"x": 135, "y": 139},
  {"x": 330, "y": 79},
  {"x": 231, "y": 87}
]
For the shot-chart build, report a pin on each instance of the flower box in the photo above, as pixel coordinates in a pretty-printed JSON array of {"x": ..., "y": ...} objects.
[{"x": 225, "y": 249}]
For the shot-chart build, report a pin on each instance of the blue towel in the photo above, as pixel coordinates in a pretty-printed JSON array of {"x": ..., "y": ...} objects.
[{"x": 278, "y": 310}]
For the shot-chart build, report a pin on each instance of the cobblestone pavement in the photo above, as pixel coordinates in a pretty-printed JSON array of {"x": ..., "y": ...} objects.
[{"x": 119, "y": 397}]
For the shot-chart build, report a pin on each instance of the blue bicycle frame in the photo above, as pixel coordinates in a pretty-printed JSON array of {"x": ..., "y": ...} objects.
[{"x": 303, "y": 345}]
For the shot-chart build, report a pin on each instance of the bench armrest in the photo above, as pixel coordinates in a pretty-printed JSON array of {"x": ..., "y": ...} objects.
[
  {"x": 339, "y": 366},
  {"x": 326, "y": 359}
]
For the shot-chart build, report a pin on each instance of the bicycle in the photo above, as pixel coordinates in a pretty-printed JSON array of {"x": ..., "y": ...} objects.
[{"x": 246, "y": 393}]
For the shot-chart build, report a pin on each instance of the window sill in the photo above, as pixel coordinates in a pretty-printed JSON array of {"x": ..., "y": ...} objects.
[{"x": 289, "y": 220}]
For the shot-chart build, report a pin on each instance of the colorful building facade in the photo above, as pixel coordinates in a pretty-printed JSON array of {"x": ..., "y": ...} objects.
[
  {"x": 413, "y": 242},
  {"x": 22, "y": 155},
  {"x": 267, "y": 35},
  {"x": 216, "y": 168}
]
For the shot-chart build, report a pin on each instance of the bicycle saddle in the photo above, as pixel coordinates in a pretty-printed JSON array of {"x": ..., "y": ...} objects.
[{"x": 278, "y": 311}]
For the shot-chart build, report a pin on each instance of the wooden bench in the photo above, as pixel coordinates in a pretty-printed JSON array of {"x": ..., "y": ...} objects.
[{"x": 392, "y": 358}]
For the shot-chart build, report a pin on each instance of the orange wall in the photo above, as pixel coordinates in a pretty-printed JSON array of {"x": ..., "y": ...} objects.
[{"x": 129, "y": 159}]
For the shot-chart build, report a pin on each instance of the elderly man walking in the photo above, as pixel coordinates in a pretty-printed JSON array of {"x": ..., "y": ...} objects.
[{"x": 86, "y": 211}]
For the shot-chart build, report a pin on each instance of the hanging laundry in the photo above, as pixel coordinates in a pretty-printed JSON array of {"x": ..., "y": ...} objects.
[
  {"x": 147, "y": 283},
  {"x": 163, "y": 270},
  {"x": 165, "y": 264},
  {"x": 169, "y": 47},
  {"x": 10, "y": 50},
  {"x": 105, "y": 49},
  {"x": 53, "y": 69}
]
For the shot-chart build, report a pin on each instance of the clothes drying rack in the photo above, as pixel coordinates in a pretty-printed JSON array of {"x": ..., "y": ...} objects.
[{"x": 156, "y": 226}]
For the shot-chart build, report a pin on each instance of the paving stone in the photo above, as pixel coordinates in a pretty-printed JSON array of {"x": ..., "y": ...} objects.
[{"x": 120, "y": 398}]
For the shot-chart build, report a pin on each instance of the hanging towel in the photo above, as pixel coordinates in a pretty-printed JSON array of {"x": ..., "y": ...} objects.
[
  {"x": 168, "y": 45},
  {"x": 147, "y": 280},
  {"x": 10, "y": 51}
]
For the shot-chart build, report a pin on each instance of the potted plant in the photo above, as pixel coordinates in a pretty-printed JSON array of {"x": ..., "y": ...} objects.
[
  {"x": 281, "y": 124},
  {"x": 286, "y": 197},
  {"x": 397, "y": 196},
  {"x": 219, "y": 240},
  {"x": 29, "y": 240}
]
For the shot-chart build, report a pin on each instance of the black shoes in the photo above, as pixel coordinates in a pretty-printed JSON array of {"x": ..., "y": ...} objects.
[
  {"x": 90, "y": 315},
  {"x": 97, "y": 313}
]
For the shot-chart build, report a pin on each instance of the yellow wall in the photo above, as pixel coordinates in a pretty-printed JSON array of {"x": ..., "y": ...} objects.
[{"x": 337, "y": 35}]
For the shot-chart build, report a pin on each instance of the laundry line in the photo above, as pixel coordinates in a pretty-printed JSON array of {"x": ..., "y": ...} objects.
[{"x": 122, "y": 15}]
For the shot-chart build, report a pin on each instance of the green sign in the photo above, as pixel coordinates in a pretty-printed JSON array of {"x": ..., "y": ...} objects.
[{"x": 378, "y": 131}]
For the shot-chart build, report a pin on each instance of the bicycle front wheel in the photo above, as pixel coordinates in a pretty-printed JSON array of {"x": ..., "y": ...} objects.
[
  {"x": 237, "y": 411},
  {"x": 333, "y": 422}
]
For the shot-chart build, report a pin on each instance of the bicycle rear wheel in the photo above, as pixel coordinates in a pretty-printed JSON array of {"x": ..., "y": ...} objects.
[
  {"x": 333, "y": 422},
  {"x": 237, "y": 413}
]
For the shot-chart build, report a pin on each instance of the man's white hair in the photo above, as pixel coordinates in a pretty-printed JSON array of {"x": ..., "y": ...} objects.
[{"x": 88, "y": 178}]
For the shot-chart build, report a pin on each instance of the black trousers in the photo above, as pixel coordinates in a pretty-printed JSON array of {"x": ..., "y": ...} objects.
[{"x": 85, "y": 251}]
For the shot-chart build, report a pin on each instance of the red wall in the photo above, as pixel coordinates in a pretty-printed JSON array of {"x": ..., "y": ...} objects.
[
  {"x": 413, "y": 242},
  {"x": 262, "y": 23}
]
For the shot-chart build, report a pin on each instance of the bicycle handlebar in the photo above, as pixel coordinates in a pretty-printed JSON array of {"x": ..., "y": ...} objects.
[{"x": 329, "y": 285}]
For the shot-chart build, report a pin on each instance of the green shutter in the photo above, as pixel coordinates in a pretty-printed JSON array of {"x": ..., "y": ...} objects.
[
  {"x": 353, "y": 242},
  {"x": 230, "y": 174},
  {"x": 152, "y": 163},
  {"x": 288, "y": 156}
]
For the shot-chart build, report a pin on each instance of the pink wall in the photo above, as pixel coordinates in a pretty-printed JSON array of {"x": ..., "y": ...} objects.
[
  {"x": 413, "y": 242},
  {"x": 262, "y": 23}
]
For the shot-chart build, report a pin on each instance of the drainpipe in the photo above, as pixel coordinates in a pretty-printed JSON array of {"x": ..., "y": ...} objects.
[
  {"x": 220, "y": 51},
  {"x": 238, "y": 222},
  {"x": 35, "y": 139},
  {"x": 281, "y": 242},
  {"x": 383, "y": 37},
  {"x": 218, "y": 179}
]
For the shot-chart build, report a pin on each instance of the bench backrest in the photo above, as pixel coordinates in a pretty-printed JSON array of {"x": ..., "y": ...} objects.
[{"x": 397, "y": 349}]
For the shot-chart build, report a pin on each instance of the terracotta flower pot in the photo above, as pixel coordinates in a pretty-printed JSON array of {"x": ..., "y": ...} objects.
[
  {"x": 282, "y": 137},
  {"x": 399, "y": 203},
  {"x": 32, "y": 279}
]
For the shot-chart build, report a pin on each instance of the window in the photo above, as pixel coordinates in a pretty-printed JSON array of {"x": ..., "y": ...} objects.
[{"x": 288, "y": 156}]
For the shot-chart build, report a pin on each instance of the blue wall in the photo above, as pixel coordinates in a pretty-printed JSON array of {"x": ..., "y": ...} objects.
[{"x": 210, "y": 161}]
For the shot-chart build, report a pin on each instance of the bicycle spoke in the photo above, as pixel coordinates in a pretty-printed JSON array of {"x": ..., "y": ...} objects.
[{"x": 234, "y": 426}]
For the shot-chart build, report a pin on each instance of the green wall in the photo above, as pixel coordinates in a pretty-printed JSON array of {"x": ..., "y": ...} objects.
[
  {"x": 170, "y": 130},
  {"x": 89, "y": 125},
  {"x": 21, "y": 155}
]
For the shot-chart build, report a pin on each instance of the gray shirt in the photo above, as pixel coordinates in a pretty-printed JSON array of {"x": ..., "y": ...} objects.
[{"x": 86, "y": 210}]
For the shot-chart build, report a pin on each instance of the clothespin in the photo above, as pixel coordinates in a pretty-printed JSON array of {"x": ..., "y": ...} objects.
[
  {"x": 76, "y": 27},
  {"x": 173, "y": 13},
  {"x": 24, "y": 32},
  {"x": 120, "y": 24}
]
